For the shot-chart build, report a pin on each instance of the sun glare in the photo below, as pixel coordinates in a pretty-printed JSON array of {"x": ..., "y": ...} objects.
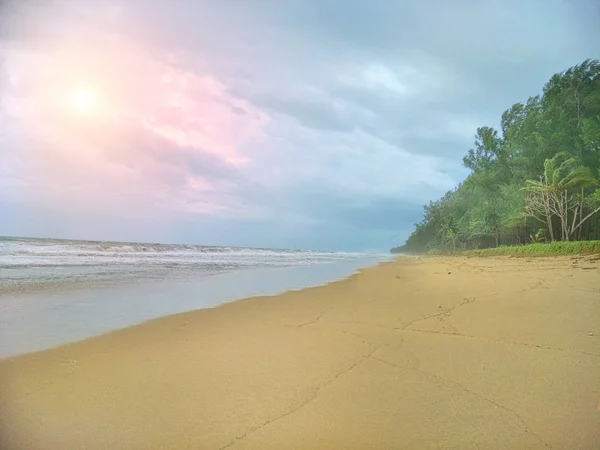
[{"x": 84, "y": 100}]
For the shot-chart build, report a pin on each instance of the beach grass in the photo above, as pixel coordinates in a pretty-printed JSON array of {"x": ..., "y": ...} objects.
[{"x": 542, "y": 249}]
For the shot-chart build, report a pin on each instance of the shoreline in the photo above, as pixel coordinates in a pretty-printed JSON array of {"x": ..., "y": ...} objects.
[
  {"x": 410, "y": 353},
  {"x": 78, "y": 311},
  {"x": 182, "y": 314}
]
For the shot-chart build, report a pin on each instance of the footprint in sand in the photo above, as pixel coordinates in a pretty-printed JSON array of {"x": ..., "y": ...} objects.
[{"x": 183, "y": 326}]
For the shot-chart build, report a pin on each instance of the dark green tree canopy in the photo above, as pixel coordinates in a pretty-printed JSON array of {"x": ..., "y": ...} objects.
[{"x": 534, "y": 179}]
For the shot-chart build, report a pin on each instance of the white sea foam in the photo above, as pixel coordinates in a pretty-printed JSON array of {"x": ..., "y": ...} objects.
[{"x": 25, "y": 261}]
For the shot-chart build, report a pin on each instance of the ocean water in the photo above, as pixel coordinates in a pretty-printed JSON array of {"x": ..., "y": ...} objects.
[
  {"x": 46, "y": 263},
  {"x": 57, "y": 291}
]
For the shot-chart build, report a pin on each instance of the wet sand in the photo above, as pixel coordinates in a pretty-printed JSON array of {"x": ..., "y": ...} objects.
[
  {"x": 38, "y": 319},
  {"x": 430, "y": 353}
]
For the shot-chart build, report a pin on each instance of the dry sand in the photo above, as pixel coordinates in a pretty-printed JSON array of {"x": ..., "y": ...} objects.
[{"x": 414, "y": 354}]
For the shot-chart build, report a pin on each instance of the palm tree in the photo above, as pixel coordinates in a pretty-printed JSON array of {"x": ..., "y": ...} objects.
[
  {"x": 552, "y": 193},
  {"x": 449, "y": 231}
]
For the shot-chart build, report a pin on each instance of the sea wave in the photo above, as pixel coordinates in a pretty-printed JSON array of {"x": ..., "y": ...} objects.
[
  {"x": 22, "y": 248},
  {"x": 24, "y": 260}
]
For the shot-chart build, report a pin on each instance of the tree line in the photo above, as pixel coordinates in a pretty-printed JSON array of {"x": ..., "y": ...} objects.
[{"x": 534, "y": 180}]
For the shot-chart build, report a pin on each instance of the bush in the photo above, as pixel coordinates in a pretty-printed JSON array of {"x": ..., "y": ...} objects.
[{"x": 549, "y": 249}]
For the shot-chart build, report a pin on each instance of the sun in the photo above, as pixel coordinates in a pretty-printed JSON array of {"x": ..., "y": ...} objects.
[{"x": 84, "y": 100}]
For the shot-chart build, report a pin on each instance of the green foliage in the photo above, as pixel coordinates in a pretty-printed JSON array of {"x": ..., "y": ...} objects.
[
  {"x": 435, "y": 251},
  {"x": 539, "y": 236},
  {"x": 540, "y": 170},
  {"x": 549, "y": 249},
  {"x": 552, "y": 196}
]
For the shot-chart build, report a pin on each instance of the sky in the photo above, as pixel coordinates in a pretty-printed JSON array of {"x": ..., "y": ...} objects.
[{"x": 268, "y": 123}]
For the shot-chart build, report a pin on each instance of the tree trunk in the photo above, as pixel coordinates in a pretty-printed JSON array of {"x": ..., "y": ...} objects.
[
  {"x": 572, "y": 229},
  {"x": 546, "y": 199},
  {"x": 563, "y": 219},
  {"x": 561, "y": 208},
  {"x": 580, "y": 215},
  {"x": 587, "y": 217}
]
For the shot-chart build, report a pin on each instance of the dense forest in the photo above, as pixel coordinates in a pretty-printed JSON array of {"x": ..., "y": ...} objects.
[{"x": 534, "y": 180}]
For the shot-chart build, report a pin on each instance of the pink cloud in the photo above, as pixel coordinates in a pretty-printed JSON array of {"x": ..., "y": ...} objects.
[
  {"x": 198, "y": 112},
  {"x": 162, "y": 137}
]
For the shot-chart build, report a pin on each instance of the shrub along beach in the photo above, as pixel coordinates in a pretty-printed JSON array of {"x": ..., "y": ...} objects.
[{"x": 550, "y": 249}]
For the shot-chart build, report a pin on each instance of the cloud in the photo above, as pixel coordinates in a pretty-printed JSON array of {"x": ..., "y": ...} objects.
[
  {"x": 300, "y": 123},
  {"x": 161, "y": 137}
]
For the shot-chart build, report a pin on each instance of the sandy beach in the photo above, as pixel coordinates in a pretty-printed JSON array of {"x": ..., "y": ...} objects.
[{"x": 418, "y": 353}]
